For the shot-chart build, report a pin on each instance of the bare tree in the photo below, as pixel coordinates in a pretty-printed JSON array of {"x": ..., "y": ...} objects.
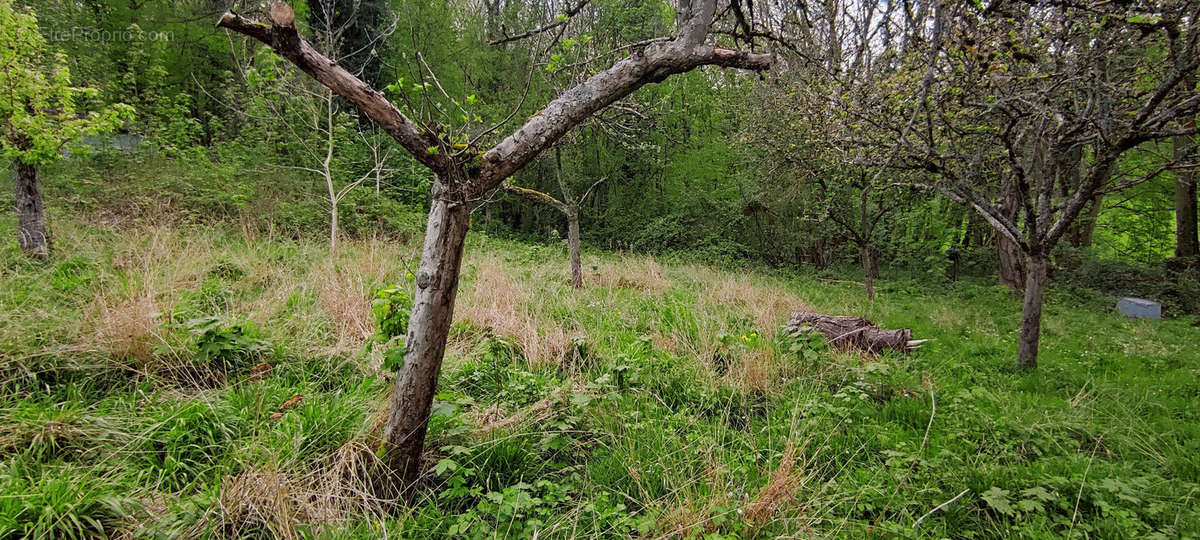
[
  {"x": 569, "y": 207},
  {"x": 1017, "y": 91},
  {"x": 465, "y": 174}
]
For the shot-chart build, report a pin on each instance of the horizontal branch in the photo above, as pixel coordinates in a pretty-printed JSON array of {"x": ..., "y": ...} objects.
[
  {"x": 564, "y": 18},
  {"x": 536, "y": 197}
]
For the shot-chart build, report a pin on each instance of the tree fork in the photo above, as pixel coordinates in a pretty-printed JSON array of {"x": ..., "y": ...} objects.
[{"x": 449, "y": 215}]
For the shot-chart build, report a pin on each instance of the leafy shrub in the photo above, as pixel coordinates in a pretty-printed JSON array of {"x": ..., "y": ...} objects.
[
  {"x": 229, "y": 347},
  {"x": 391, "y": 308},
  {"x": 363, "y": 214}
]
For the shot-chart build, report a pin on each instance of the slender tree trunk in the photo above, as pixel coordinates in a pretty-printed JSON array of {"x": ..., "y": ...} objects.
[
  {"x": 573, "y": 245},
  {"x": 31, "y": 212},
  {"x": 333, "y": 228},
  {"x": 1031, "y": 314},
  {"x": 428, "y": 327},
  {"x": 870, "y": 269},
  {"x": 1187, "y": 242}
]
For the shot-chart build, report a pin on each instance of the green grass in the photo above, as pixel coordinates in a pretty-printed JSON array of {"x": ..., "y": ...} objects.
[{"x": 658, "y": 401}]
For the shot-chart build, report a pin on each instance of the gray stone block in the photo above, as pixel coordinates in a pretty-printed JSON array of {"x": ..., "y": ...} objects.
[{"x": 1139, "y": 308}]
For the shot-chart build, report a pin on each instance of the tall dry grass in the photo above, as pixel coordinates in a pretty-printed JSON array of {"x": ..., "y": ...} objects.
[{"x": 503, "y": 305}]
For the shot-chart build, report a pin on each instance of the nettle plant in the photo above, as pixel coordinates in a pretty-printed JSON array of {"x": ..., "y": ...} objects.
[{"x": 391, "y": 308}]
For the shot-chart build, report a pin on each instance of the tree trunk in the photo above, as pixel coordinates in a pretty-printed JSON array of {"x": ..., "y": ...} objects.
[
  {"x": 31, "y": 212},
  {"x": 1187, "y": 242},
  {"x": 333, "y": 228},
  {"x": 573, "y": 246},
  {"x": 1012, "y": 271},
  {"x": 870, "y": 269},
  {"x": 1084, "y": 228},
  {"x": 1031, "y": 315},
  {"x": 428, "y": 327}
]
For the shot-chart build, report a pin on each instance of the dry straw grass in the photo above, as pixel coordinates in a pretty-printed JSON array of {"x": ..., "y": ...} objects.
[
  {"x": 350, "y": 484},
  {"x": 126, "y": 329},
  {"x": 768, "y": 307},
  {"x": 503, "y": 305},
  {"x": 757, "y": 371},
  {"x": 344, "y": 299},
  {"x": 781, "y": 490},
  {"x": 636, "y": 273}
]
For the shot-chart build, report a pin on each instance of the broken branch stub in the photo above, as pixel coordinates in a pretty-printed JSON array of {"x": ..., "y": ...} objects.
[{"x": 853, "y": 332}]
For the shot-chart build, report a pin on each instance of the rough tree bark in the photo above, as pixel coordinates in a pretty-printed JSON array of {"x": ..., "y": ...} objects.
[
  {"x": 574, "y": 247},
  {"x": 1031, "y": 312},
  {"x": 31, "y": 212},
  {"x": 428, "y": 326},
  {"x": 1012, "y": 269},
  {"x": 461, "y": 178},
  {"x": 870, "y": 268}
]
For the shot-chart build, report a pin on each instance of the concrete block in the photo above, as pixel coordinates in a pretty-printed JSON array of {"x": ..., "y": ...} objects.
[{"x": 1139, "y": 308}]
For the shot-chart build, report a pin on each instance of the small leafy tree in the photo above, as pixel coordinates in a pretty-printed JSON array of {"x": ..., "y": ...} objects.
[{"x": 40, "y": 112}]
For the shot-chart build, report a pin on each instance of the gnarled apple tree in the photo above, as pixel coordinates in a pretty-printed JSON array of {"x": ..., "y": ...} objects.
[{"x": 464, "y": 173}]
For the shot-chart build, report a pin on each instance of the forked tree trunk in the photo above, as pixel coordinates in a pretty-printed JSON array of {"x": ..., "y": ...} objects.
[
  {"x": 1031, "y": 314},
  {"x": 573, "y": 245},
  {"x": 31, "y": 212},
  {"x": 428, "y": 327},
  {"x": 449, "y": 214}
]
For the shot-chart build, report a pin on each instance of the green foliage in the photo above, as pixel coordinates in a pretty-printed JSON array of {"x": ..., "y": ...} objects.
[
  {"x": 40, "y": 108},
  {"x": 60, "y": 502},
  {"x": 391, "y": 309},
  {"x": 230, "y": 347},
  {"x": 186, "y": 442},
  {"x": 648, "y": 435}
]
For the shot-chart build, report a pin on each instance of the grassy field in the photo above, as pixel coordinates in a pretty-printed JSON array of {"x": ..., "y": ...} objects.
[{"x": 150, "y": 376}]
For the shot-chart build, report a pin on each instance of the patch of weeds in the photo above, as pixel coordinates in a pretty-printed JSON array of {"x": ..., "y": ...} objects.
[
  {"x": 66, "y": 502},
  {"x": 71, "y": 274},
  {"x": 186, "y": 441},
  {"x": 225, "y": 346},
  {"x": 391, "y": 308},
  {"x": 227, "y": 270}
]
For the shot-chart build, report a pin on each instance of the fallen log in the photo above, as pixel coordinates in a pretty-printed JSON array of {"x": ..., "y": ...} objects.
[{"x": 853, "y": 332}]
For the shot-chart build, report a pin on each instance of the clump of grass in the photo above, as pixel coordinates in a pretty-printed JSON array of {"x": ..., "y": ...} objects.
[
  {"x": 128, "y": 330},
  {"x": 785, "y": 482},
  {"x": 61, "y": 502},
  {"x": 501, "y": 304},
  {"x": 642, "y": 274}
]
